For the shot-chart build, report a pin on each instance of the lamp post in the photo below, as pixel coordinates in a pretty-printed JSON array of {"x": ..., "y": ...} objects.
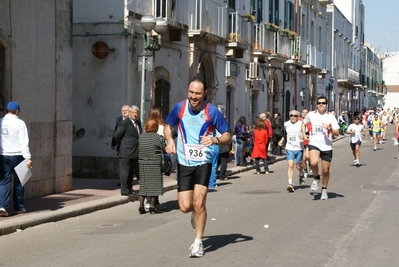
[
  {"x": 330, "y": 9},
  {"x": 159, "y": 25}
]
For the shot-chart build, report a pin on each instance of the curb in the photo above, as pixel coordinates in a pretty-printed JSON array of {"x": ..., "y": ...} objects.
[{"x": 17, "y": 224}]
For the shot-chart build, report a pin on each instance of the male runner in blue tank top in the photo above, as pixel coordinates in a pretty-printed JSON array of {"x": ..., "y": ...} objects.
[{"x": 196, "y": 120}]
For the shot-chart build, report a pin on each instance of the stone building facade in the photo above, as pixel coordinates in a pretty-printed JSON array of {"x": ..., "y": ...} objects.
[{"x": 36, "y": 71}]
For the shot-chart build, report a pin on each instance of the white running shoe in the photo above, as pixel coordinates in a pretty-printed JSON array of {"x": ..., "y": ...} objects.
[
  {"x": 315, "y": 185},
  {"x": 197, "y": 250},
  {"x": 324, "y": 195},
  {"x": 305, "y": 175},
  {"x": 375, "y": 148},
  {"x": 290, "y": 188}
]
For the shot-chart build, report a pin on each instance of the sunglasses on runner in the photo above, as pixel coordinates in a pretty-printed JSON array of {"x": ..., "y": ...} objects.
[{"x": 321, "y": 103}]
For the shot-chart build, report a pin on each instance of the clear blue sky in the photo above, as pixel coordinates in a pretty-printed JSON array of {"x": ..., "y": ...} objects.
[{"x": 382, "y": 24}]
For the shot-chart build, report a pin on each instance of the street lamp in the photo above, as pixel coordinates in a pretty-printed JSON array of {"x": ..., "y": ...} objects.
[
  {"x": 331, "y": 9},
  {"x": 159, "y": 25}
]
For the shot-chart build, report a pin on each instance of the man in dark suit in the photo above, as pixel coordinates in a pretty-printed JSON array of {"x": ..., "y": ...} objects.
[
  {"x": 127, "y": 138},
  {"x": 125, "y": 114}
]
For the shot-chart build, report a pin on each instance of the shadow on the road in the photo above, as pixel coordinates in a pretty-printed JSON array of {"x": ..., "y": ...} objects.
[
  {"x": 232, "y": 177},
  {"x": 170, "y": 205},
  {"x": 302, "y": 187},
  {"x": 212, "y": 243},
  {"x": 317, "y": 196},
  {"x": 99, "y": 184},
  {"x": 357, "y": 166}
]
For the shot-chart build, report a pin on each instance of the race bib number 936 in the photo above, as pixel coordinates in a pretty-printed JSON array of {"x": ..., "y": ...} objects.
[{"x": 195, "y": 152}]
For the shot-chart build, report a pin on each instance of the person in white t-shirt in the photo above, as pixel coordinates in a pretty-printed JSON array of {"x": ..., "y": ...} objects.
[
  {"x": 323, "y": 126},
  {"x": 356, "y": 131},
  {"x": 14, "y": 149},
  {"x": 294, "y": 131}
]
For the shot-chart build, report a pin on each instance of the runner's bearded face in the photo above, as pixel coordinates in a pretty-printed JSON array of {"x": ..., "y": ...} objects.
[{"x": 196, "y": 95}]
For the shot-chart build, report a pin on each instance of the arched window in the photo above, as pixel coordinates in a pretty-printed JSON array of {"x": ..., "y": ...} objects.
[{"x": 162, "y": 98}]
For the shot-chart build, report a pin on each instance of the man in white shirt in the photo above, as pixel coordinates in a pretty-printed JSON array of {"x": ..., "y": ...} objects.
[
  {"x": 14, "y": 148},
  {"x": 323, "y": 126},
  {"x": 356, "y": 131}
]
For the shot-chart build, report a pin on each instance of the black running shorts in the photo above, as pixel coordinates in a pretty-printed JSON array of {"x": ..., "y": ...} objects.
[
  {"x": 188, "y": 176},
  {"x": 324, "y": 155}
]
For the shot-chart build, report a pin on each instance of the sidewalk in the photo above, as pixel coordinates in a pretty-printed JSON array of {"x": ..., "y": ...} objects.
[{"x": 88, "y": 195}]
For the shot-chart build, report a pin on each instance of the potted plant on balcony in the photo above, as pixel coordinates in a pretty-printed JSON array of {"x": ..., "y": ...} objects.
[
  {"x": 248, "y": 17},
  {"x": 290, "y": 34},
  {"x": 271, "y": 26},
  {"x": 234, "y": 37}
]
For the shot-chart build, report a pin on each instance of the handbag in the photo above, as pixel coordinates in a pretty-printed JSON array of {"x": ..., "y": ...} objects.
[
  {"x": 278, "y": 132},
  {"x": 244, "y": 136},
  {"x": 165, "y": 162}
]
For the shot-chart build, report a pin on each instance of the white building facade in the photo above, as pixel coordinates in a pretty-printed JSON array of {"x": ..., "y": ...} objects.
[{"x": 391, "y": 78}]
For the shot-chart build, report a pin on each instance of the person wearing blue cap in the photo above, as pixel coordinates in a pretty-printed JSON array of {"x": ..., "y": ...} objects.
[{"x": 14, "y": 148}]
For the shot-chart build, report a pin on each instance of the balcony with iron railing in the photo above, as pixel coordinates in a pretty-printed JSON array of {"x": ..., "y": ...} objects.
[
  {"x": 314, "y": 59},
  {"x": 267, "y": 41},
  {"x": 347, "y": 76},
  {"x": 289, "y": 47},
  {"x": 207, "y": 16},
  {"x": 239, "y": 33}
]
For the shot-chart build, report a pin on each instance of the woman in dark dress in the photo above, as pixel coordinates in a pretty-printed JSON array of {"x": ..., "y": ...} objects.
[
  {"x": 151, "y": 181},
  {"x": 277, "y": 126}
]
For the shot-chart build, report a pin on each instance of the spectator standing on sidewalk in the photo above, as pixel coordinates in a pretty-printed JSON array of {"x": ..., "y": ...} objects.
[
  {"x": 125, "y": 114},
  {"x": 224, "y": 152},
  {"x": 195, "y": 118},
  {"x": 294, "y": 132},
  {"x": 268, "y": 128},
  {"x": 156, "y": 114},
  {"x": 324, "y": 126},
  {"x": 151, "y": 146},
  {"x": 259, "y": 152},
  {"x": 242, "y": 136},
  {"x": 14, "y": 148},
  {"x": 127, "y": 137},
  {"x": 277, "y": 126}
]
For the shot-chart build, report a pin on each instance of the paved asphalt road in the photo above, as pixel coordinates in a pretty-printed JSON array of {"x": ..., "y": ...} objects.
[{"x": 356, "y": 226}]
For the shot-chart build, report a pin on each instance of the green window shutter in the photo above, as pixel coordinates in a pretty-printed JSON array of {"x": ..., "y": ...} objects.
[
  {"x": 276, "y": 12},
  {"x": 259, "y": 12},
  {"x": 271, "y": 17}
]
